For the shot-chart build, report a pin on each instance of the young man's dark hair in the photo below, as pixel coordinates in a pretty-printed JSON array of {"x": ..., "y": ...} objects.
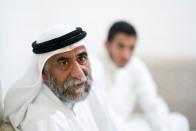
[{"x": 121, "y": 27}]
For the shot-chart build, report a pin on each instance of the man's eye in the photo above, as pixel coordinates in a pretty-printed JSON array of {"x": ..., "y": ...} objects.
[
  {"x": 64, "y": 62},
  {"x": 120, "y": 45},
  {"x": 82, "y": 59},
  {"x": 132, "y": 48}
]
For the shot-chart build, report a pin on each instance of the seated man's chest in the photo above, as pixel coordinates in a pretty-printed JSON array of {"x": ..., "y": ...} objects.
[
  {"x": 47, "y": 114},
  {"x": 121, "y": 90}
]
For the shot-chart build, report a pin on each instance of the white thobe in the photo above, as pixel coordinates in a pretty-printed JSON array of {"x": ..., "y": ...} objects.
[
  {"x": 130, "y": 86},
  {"x": 48, "y": 113}
]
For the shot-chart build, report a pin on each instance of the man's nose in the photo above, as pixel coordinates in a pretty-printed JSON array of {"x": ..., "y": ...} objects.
[
  {"x": 76, "y": 71},
  {"x": 126, "y": 54}
]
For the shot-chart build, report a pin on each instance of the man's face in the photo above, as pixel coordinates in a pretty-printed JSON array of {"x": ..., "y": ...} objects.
[
  {"x": 68, "y": 75},
  {"x": 121, "y": 48}
]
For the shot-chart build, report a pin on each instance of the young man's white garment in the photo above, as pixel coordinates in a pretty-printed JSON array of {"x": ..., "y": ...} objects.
[{"x": 130, "y": 86}]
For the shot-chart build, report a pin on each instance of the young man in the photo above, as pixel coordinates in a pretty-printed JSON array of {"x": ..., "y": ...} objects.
[{"x": 127, "y": 83}]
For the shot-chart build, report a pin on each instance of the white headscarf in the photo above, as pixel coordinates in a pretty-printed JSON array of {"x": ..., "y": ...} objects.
[{"x": 25, "y": 90}]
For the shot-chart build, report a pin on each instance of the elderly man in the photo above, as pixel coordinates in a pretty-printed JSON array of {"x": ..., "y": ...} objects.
[
  {"x": 128, "y": 83},
  {"x": 52, "y": 94}
]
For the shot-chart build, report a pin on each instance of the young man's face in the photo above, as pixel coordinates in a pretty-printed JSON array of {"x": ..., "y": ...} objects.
[
  {"x": 121, "y": 48},
  {"x": 68, "y": 74}
]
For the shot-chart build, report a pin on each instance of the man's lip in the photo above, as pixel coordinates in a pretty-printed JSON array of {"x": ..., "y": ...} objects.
[{"x": 78, "y": 85}]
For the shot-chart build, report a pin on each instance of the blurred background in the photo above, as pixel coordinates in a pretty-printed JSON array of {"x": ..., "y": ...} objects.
[{"x": 166, "y": 28}]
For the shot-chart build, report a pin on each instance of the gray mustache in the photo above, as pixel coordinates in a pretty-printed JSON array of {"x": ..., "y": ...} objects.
[{"x": 75, "y": 82}]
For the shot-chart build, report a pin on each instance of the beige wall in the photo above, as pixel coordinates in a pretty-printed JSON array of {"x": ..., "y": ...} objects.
[{"x": 176, "y": 81}]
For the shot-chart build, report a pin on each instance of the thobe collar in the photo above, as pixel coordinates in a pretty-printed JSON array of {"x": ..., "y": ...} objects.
[{"x": 71, "y": 106}]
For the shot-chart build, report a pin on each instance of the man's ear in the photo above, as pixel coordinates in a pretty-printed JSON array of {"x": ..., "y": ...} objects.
[
  {"x": 44, "y": 75},
  {"x": 107, "y": 44}
]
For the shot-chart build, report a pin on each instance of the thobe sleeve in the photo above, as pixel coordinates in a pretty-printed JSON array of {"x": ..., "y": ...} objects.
[{"x": 153, "y": 106}]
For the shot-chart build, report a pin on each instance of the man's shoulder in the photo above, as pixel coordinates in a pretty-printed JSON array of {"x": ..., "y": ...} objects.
[
  {"x": 136, "y": 60},
  {"x": 37, "y": 115},
  {"x": 137, "y": 64},
  {"x": 45, "y": 110}
]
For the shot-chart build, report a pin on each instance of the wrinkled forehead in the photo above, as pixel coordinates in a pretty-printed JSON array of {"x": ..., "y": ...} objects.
[{"x": 43, "y": 58}]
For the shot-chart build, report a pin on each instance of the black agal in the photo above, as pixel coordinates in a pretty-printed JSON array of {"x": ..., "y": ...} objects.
[{"x": 59, "y": 42}]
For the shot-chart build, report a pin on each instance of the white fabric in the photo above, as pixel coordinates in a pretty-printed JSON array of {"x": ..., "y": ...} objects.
[
  {"x": 130, "y": 86},
  {"x": 138, "y": 122},
  {"x": 25, "y": 90},
  {"x": 48, "y": 113},
  {"x": 97, "y": 99}
]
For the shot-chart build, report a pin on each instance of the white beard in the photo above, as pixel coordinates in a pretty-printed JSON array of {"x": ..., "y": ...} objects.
[{"x": 64, "y": 94}]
